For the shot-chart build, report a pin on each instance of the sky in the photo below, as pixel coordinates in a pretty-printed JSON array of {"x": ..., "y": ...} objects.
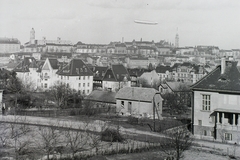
[{"x": 197, "y": 22}]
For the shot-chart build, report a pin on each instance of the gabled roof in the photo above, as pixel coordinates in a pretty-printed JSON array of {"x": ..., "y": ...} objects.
[
  {"x": 137, "y": 71},
  {"x": 217, "y": 82},
  {"x": 76, "y": 67},
  {"x": 102, "y": 96},
  {"x": 136, "y": 94}
]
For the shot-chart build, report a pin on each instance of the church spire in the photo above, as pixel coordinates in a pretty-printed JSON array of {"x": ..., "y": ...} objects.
[{"x": 177, "y": 40}]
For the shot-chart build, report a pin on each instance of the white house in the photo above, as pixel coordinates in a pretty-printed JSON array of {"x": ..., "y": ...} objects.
[
  {"x": 78, "y": 76},
  {"x": 216, "y": 101},
  {"x": 139, "y": 101}
]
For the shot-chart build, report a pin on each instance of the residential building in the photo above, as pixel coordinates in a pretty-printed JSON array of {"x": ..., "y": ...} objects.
[
  {"x": 78, "y": 76},
  {"x": 27, "y": 71},
  {"x": 138, "y": 101},
  {"x": 216, "y": 101},
  {"x": 115, "y": 78},
  {"x": 49, "y": 75},
  {"x": 98, "y": 74},
  {"x": 9, "y": 45},
  {"x": 135, "y": 74},
  {"x": 164, "y": 72},
  {"x": 151, "y": 77}
]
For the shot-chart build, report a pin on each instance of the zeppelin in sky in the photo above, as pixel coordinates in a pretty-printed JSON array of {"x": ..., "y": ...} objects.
[{"x": 145, "y": 22}]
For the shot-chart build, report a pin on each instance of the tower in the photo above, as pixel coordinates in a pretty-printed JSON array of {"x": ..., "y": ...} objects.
[
  {"x": 177, "y": 40},
  {"x": 32, "y": 36}
]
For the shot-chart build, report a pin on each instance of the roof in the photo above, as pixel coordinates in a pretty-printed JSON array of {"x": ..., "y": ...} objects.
[
  {"x": 137, "y": 71},
  {"x": 163, "y": 69},
  {"x": 76, "y": 67},
  {"x": 28, "y": 62},
  {"x": 176, "y": 86},
  {"x": 102, "y": 96},
  {"x": 217, "y": 82},
  {"x": 9, "y": 41},
  {"x": 53, "y": 62},
  {"x": 98, "y": 72},
  {"x": 136, "y": 94},
  {"x": 120, "y": 45},
  {"x": 116, "y": 73}
]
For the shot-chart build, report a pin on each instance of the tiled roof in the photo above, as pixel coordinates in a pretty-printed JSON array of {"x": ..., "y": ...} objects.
[
  {"x": 56, "y": 44},
  {"x": 217, "y": 82},
  {"x": 136, "y": 94},
  {"x": 163, "y": 69},
  {"x": 76, "y": 67},
  {"x": 102, "y": 96}
]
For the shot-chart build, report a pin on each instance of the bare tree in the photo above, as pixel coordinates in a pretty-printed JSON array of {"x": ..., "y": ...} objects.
[
  {"x": 47, "y": 140},
  {"x": 60, "y": 93},
  {"x": 176, "y": 141},
  {"x": 77, "y": 140}
]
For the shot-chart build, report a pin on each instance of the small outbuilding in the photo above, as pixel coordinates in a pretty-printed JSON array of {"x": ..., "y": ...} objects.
[{"x": 139, "y": 101}]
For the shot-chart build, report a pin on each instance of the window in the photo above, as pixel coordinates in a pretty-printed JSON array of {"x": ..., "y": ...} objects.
[
  {"x": 228, "y": 136},
  {"x": 87, "y": 91},
  {"x": 109, "y": 76},
  {"x": 83, "y": 84},
  {"x": 199, "y": 122},
  {"x": 130, "y": 107},
  {"x": 83, "y": 77},
  {"x": 122, "y": 104},
  {"x": 46, "y": 79},
  {"x": 212, "y": 133},
  {"x": 45, "y": 85},
  {"x": 206, "y": 102},
  {"x": 79, "y": 78},
  {"x": 88, "y": 77},
  {"x": 79, "y": 84},
  {"x": 83, "y": 91},
  {"x": 88, "y": 84},
  {"x": 205, "y": 133}
]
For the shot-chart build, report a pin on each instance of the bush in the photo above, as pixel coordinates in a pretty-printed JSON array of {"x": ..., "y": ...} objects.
[
  {"x": 132, "y": 120},
  {"x": 111, "y": 135}
]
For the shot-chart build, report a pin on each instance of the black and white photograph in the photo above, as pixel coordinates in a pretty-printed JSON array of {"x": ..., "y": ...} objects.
[{"x": 119, "y": 79}]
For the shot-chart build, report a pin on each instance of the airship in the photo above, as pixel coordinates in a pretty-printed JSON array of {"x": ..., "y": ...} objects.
[{"x": 145, "y": 22}]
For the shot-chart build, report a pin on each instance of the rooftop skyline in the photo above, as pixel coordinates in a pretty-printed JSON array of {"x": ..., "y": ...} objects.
[{"x": 200, "y": 22}]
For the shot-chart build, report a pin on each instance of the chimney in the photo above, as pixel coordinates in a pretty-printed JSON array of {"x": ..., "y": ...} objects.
[{"x": 223, "y": 65}]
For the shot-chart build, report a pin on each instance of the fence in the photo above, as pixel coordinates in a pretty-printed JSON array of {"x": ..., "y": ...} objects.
[{"x": 65, "y": 112}]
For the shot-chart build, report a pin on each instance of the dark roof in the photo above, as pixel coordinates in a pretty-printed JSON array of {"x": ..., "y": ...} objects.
[
  {"x": 163, "y": 69},
  {"x": 98, "y": 72},
  {"x": 137, "y": 71},
  {"x": 102, "y": 96},
  {"x": 57, "y": 44},
  {"x": 76, "y": 67},
  {"x": 54, "y": 63},
  {"x": 217, "y": 82},
  {"x": 116, "y": 73},
  {"x": 28, "y": 62},
  {"x": 120, "y": 45}
]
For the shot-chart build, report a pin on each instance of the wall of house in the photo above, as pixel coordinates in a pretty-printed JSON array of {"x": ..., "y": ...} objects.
[
  {"x": 137, "y": 107},
  {"x": 224, "y": 101}
]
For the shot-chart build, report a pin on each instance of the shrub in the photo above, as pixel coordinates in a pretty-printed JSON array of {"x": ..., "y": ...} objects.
[
  {"x": 111, "y": 135},
  {"x": 132, "y": 120}
]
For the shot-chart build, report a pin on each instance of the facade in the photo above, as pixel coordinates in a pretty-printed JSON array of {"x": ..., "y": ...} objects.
[
  {"x": 115, "y": 78},
  {"x": 49, "y": 73},
  {"x": 28, "y": 72},
  {"x": 98, "y": 74},
  {"x": 9, "y": 45},
  {"x": 138, "y": 101},
  {"x": 164, "y": 72},
  {"x": 216, "y": 101},
  {"x": 77, "y": 75}
]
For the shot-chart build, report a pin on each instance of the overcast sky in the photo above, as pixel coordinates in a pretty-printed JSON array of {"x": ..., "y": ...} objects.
[{"x": 199, "y": 22}]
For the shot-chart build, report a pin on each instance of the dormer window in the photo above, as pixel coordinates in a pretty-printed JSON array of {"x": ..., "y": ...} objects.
[
  {"x": 81, "y": 70},
  {"x": 109, "y": 76},
  {"x": 117, "y": 76},
  {"x": 85, "y": 69}
]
